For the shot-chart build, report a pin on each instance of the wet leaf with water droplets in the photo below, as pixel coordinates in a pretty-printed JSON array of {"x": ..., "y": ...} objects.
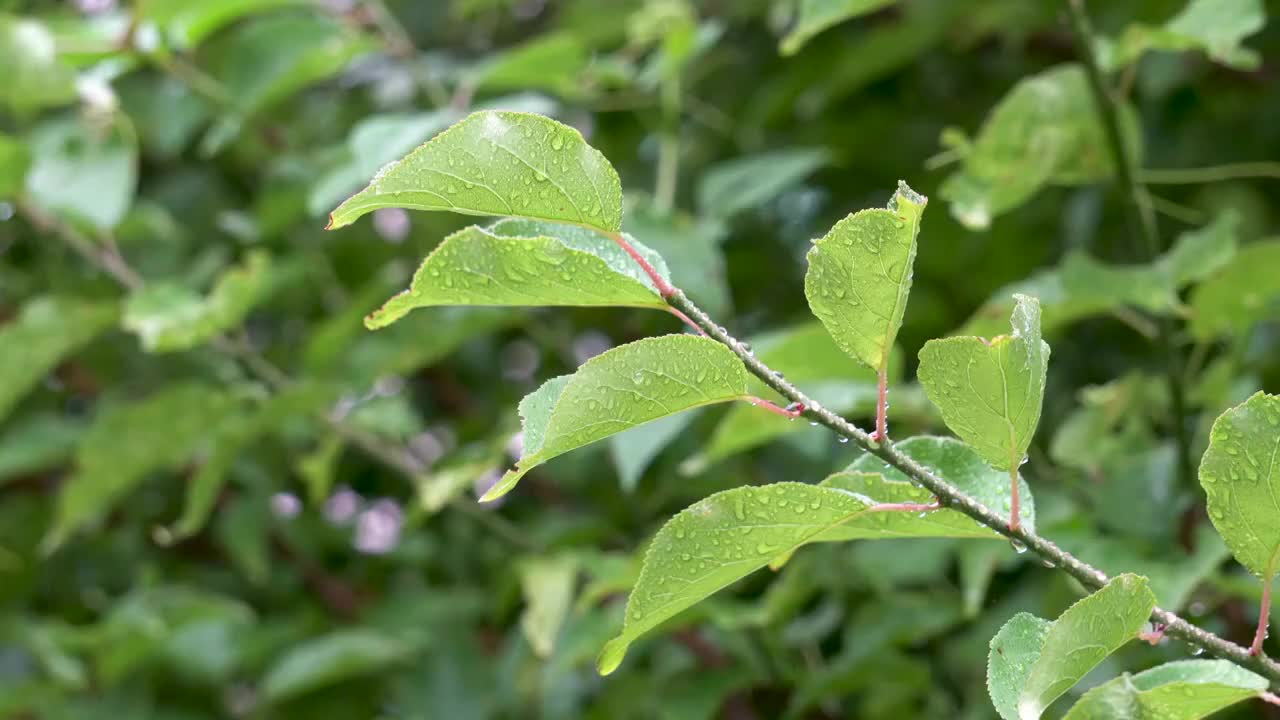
[
  {"x": 720, "y": 540},
  {"x": 1241, "y": 481},
  {"x": 1033, "y": 661},
  {"x": 620, "y": 389},
  {"x": 1182, "y": 690},
  {"x": 990, "y": 393},
  {"x": 499, "y": 163},
  {"x": 860, "y": 275}
]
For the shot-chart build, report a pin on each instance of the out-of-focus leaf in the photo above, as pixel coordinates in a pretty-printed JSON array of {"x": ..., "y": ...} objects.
[
  {"x": 814, "y": 16},
  {"x": 1242, "y": 483},
  {"x": 691, "y": 249},
  {"x": 34, "y": 76},
  {"x": 187, "y": 22},
  {"x": 37, "y": 443},
  {"x": 1182, "y": 690},
  {"x": 332, "y": 658},
  {"x": 1044, "y": 132},
  {"x": 445, "y": 483},
  {"x": 169, "y": 317},
  {"x": 1214, "y": 27},
  {"x": 499, "y": 163},
  {"x": 1243, "y": 293},
  {"x": 722, "y": 539},
  {"x": 46, "y": 330},
  {"x": 166, "y": 112},
  {"x": 990, "y": 393},
  {"x": 1034, "y": 661},
  {"x": 553, "y": 62},
  {"x": 127, "y": 442},
  {"x": 860, "y": 275},
  {"x": 619, "y": 389},
  {"x": 1173, "y": 574},
  {"x": 526, "y": 263},
  {"x": 736, "y": 185},
  {"x": 14, "y": 161},
  {"x": 632, "y": 450},
  {"x": 547, "y": 584},
  {"x": 85, "y": 172}
]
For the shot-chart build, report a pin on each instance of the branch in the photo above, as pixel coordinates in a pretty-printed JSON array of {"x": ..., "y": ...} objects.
[{"x": 950, "y": 497}]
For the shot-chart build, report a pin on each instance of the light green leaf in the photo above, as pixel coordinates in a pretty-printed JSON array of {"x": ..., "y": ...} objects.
[
  {"x": 752, "y": 180},
  {"x": 990, "y": 393},
  {"x": 620, "y": 389},
  {"x": 168, "y": 317},
  {"x": 186, "y": 22},
  {"x": 632, "y": 450},
  {"x": 814, "y": 16},
  {"x": 329, "y": 659},
  {"x": 718, "y": 540},
  {"x": 46, "y": 330},
  {"x": 1182, "y": 690},
  {"x": 14, "y": 161},
  {"x": 499, "y": 163},
  {"x": 547, "y": 584},
  {"x": 1246, "y": 291},
  {"x": 128, "y": 442},
  {"x": 1242, "y": 482},
  {"x": 1033, "y": 661},
  {"x": 34, "y": 76},
  {"x": 552, "y": 62},
  {"x": 527, "y": 263},
  {"x": 860, "y": 275},
  {"x": 86, "y": 173},
  {"x": 36, "y": 443},
  {"x": 1215, "y": 27},
  {"x": 1044, "y": 132}
]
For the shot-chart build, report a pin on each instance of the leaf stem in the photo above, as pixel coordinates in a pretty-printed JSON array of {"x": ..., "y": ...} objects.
[
  {"x": 1264, "y": 620},
  {"x": 905, "y": 507},
  {"x": 1015, "y": 514},
  {"x": 1213, "y": 173},
  {"x": 790, "y": 412},
  {"x": 665, "y": 289},
  {"x": 882, "y": 405}
]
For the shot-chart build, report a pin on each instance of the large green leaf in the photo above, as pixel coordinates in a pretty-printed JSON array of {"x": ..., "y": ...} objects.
[
  {"x": 1214, "y": 27},
  {"x": 331, "y": 658},
  {"x": 736, "y": 185},
  {"x": 1033, "y": 661},
  {"x": 84, "y": 172},
  {"x": 860, "y": 275},
  {"x": 990, "y": 393},
  {"x": 499, "y": 163},
  {"x": 620, "y": 389},
  {"x": 1246, "y": 291},
  {"x": 721, "y": 539},
  {"x": 46, "y": 330},
  {"x": 169, "y": 317},
  {"x": 34, "y": 77},
  {"x": 527, "y": 263},
  {"x": 1044, "y": 132},
  {"x": 1242, "y": 482},
  {"x": 1182, "y": 690},
  {"x": 814, "y": 16}
]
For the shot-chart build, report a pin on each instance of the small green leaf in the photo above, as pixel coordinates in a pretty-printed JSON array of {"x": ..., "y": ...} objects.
[
  {"x": 750, "y": 181},
  {"x": 329, "y": 659},
  {"x": 527, "y": 263},
  {"x": 169, "y": 317},
  {"x": 84, "y": 172},
  {"x": 186, "y": 22},
  {"x": 860, "y": 275},
  {"x": 1182, "y": 690},
  {"x": 499, "y": 163},
  {"x": 46, "y": 330},
  {"x": 718, "y": 540},
  {"x": 814, "y": 16},
  {"x": 1245, "y": 292},
  {"x": 990, "y": 393},
  {"x": 1215, "y": 27},
  {"x": 1044, "y": 132},
  {"x": 1034, "y": 661},
  {"x": 547, "y": 584},
  {"x": 1242, "y": 482},
  {"x": 35, "y": 78},
  {"x": 620, "y": 389}
]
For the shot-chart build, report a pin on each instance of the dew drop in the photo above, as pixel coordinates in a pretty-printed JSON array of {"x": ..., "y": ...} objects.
[
  {"x": 1017, "y": 546},
  {"x": 842, "y": 439}
]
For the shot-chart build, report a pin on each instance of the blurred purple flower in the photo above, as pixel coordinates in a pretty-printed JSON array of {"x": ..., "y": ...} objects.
[
  {"x": 515, "y": 446},
  {"x": 391, "y": 224},
  {"x": 378, "y": 527},
  {"x": 590, "y": 344},
  {"x": 520, "y": 360},
  {"x": 94, "y": 7},
  {"x": 342, "y": 506},
  {"x": 285, "y": 505}
]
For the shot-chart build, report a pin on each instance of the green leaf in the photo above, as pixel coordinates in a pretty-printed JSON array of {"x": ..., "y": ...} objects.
[
  {"x": 552, "y": 62},
  {"x": 329, "y": 659},
  {"x": 721, "y": 539},
  {"x": 36, "y": 443},
  {"x": 1242, "y": 482},
  {"x": 951, "y": 460},
  {"x": 814, "y": 16},
  {"x": 34, "y": 76},
  {"x": 186, "y": 22},
  {"x": 547, "y": 584},
  {"x": 46, "y": 330},
  {"x": 169, "y": 317},
  {"x": 499, "y": 163},
  {"x": 128, "y": 442},
  {"x": 1044, "y": 132},
  {"x": 990, "y": 393},
  {"x": 1215, "y": 27},
  {"x": 527, "y": 263},
  {"x": 860, "y": 275},
  {"x": 1182, "y": 690},
  {"x": 1033, "y": 661},
  {"x": 632, "y": 450},
  {"x": 14, "y": 161},
  {"x": 752, "y": 180},
  {"x": 620, "y": 389},
  {"x": 1245, "y": 292},
  {"x": 84, "y": 172},
  {"x": 691, "y": 248}
]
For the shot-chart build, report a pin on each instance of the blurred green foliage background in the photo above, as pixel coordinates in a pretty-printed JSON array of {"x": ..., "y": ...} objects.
[{"x": 220, "y": 496}]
